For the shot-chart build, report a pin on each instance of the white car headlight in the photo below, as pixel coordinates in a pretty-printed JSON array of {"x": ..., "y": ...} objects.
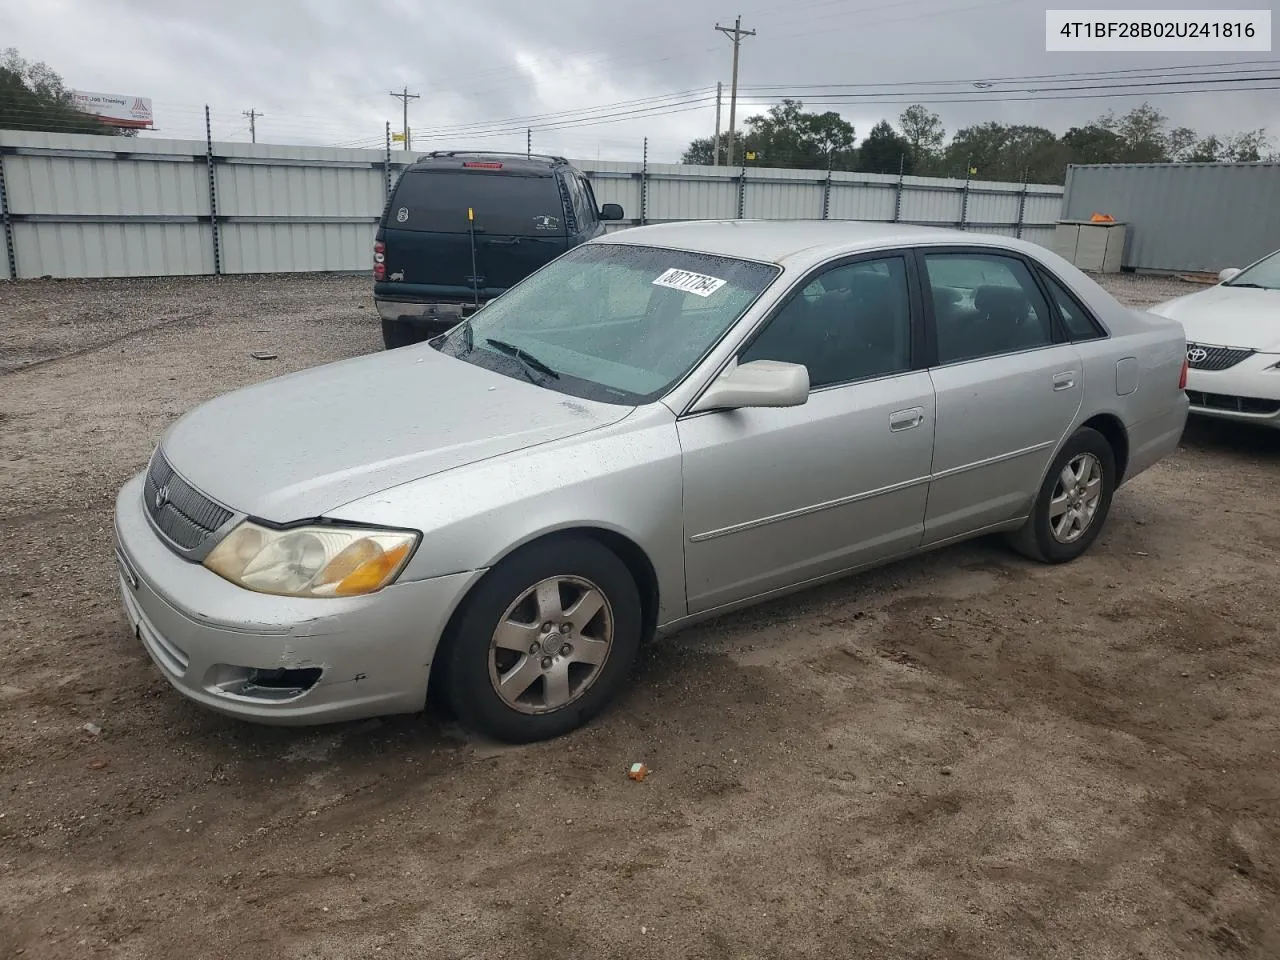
[{"x": 318, "y": 561}]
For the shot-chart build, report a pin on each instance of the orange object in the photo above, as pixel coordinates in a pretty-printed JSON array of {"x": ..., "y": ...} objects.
[
  {"x": 1103, "y": 218},
  {"x": 638, "y": 771}
]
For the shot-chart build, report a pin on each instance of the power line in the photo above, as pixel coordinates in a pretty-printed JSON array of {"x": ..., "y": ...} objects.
[{"x": 1066, "y": 77}]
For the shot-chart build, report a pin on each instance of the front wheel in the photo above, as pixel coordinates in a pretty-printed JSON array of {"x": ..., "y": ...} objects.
[
  {"x": 1073, "y": 501},
  {"x": 545, "y": 641}
]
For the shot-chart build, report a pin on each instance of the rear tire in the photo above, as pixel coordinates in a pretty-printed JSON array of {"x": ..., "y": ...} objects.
[
  {"x": 544, "y": 641},
  {"x": 1073, "y": 502},
  {"x": 396, "y": 334}
]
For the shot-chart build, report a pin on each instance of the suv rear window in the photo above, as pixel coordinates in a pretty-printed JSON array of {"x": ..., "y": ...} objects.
[{"x": 505, "y": 205}]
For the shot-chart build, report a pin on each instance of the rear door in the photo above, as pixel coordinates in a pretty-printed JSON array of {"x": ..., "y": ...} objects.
[
  {"x": 1008, "y": 387},
  {"x": 518, "y": 226}
]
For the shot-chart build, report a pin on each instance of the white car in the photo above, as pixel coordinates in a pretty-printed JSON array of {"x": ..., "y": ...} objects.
[{"x": 1233, "y": 343}]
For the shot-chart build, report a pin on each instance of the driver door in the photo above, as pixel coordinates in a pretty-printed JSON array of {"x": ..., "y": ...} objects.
[{"x": 774, "y": 497}]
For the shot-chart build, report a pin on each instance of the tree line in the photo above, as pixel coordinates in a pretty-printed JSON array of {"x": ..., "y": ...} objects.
[
  {"x": 33, "y": 97},
  {"x": 788, "y": 136}
]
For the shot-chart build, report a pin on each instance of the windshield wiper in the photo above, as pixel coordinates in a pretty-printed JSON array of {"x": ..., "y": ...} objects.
[
  {"x": 1255, "y": 286},
  {"x": 531, "y": 362}
]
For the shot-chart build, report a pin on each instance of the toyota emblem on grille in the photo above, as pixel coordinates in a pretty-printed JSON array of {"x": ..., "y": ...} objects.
[
  {"x": 162, "y": 496},
  {"x": 1197, "y": 355}
]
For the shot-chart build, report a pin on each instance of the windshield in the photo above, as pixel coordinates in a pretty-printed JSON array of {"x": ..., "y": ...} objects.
[
  {"x": 1265, "y": 273},
  {"x": 613, "y": 322}
]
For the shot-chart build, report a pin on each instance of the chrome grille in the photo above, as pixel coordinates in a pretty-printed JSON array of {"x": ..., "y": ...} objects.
[
  {"x": 1200, "y": 357},
  {"x": 181, "y": 512}
]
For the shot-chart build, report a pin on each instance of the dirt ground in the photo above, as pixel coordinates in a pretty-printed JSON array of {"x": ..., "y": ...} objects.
[{"x": 962, "y": 756}]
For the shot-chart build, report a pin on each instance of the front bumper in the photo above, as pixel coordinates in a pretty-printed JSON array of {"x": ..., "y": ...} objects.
[
  {"x": 1247, "y": 392},
  {"x": 273, "y": 659}
]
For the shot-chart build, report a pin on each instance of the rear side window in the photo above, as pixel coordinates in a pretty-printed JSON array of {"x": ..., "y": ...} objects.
[
  {"x": 985, "y": 305},
  {"x": 505, "y": 205},
  {"x": 1080, "y": 326},
  {"x": 582, "y": 209}
]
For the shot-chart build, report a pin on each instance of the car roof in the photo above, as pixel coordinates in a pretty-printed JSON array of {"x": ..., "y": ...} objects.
[{"x": 799, "y": 243}]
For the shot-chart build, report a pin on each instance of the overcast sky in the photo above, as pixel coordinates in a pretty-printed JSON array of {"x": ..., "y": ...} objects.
[{"x": 321, "y": 70}]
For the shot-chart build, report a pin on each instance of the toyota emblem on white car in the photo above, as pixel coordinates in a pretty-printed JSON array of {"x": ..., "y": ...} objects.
[{"x": 1197, "y": 355}]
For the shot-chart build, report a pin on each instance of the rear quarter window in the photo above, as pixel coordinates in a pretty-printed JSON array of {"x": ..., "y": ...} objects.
[{"x": 505, "y": 205}]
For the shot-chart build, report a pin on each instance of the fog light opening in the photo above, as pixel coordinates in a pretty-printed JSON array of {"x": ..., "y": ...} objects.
[{"x": 282, "y": 680}]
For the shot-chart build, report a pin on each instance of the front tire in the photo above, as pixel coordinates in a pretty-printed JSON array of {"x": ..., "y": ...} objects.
[
  {"x": 1073, "y": 501},
  {"x": 544, "y": 642}
]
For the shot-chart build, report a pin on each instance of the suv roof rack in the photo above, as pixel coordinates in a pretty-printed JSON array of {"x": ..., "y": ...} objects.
[{"x": 495, "y": 153}]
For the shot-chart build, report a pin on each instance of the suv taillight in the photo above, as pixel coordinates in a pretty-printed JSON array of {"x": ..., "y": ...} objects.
[
  {"x": 379, "y": 260},
  {"x": 1182, "y": 378}
]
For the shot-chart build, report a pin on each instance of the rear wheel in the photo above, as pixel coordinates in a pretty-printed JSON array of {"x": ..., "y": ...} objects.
[
  {"x": 1073, "y": 501},
  {"x": 396, "y": 334},
  {"x": 544, "y": 642}
]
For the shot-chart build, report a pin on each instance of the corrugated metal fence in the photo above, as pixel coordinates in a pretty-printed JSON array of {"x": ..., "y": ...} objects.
[
  {"x": 87, "y": 206},
  {"x": 1183, "y": 216}
]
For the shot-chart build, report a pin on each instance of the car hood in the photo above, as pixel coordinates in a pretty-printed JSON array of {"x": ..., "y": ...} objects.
[
  {"x": 298, "y": 446},
  {"x": 1229, "y": 317}
]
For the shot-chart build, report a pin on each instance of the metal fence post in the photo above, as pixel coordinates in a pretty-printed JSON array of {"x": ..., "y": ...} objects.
[
  {"x": 213, "y": 192},
  {"x": 8, "y": 224},
  {"x": 644, "y": 184},
  {"x": 964, "y": 196},
  {"x": 1022, "y": 204},
  {"x": 742, "y": 188},
  {"x": 386, "y": 162},
  {"x": 897, "y": 199},
  {"x": 826, "y": 190}
]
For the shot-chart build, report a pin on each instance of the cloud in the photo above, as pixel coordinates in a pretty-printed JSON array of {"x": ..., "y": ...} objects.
[{"x": 322, "y": 71}]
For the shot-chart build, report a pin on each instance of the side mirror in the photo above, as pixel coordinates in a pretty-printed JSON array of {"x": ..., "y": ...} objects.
[
  {"x": 1227, "y": 274},
  {"x": 611, "y": 211},
  {"x": 761, "y": 383}
]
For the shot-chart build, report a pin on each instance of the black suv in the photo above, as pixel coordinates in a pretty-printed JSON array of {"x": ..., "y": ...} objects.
[{"x": 461, "y": 227}]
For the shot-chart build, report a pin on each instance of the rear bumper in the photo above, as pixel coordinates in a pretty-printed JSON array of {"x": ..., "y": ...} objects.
[
  {"x": 1153, "y": 440},
  {"x": 423, "y": 319}
]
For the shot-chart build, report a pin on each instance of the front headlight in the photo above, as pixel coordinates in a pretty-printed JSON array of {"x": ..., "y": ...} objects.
[{"x": 319, "y": 561}]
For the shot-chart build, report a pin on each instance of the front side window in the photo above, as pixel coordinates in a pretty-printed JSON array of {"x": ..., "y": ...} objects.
[
  {"x": 852, "y": 322},
  {"x": 985, "y": 305},
  {"x": 614, "y": 322}
]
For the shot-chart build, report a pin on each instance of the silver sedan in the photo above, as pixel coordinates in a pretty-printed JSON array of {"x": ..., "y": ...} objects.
[{"x": 660, "y": 426}]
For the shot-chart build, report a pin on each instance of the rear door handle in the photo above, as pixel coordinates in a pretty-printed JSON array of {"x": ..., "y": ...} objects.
[
  {"x": 1064, "y": 381},
  {"x": 906, "y": 419}
]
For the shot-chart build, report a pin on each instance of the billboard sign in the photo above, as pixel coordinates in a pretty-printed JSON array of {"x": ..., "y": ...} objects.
[{"x": 114, "y": 109}]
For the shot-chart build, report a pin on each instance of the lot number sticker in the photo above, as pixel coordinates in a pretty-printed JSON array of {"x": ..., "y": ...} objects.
[{"x": 698, "y": 284}]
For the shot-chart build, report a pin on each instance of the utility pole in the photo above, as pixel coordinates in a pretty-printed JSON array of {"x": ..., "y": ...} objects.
[
  {"x": 253, "y": 129},
  {"x": 719, "y": 96},
  {"x": 405, "y": 96},
  {"x": 734, "y": 33}
]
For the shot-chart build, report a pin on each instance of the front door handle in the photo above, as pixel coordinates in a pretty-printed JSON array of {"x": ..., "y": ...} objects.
[
  {"x": 906, "y": 419},
  {"x": 1064, "y": 381}
]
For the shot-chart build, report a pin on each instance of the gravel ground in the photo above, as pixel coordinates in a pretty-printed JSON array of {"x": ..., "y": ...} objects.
[{"x": 965, "y": 755}]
